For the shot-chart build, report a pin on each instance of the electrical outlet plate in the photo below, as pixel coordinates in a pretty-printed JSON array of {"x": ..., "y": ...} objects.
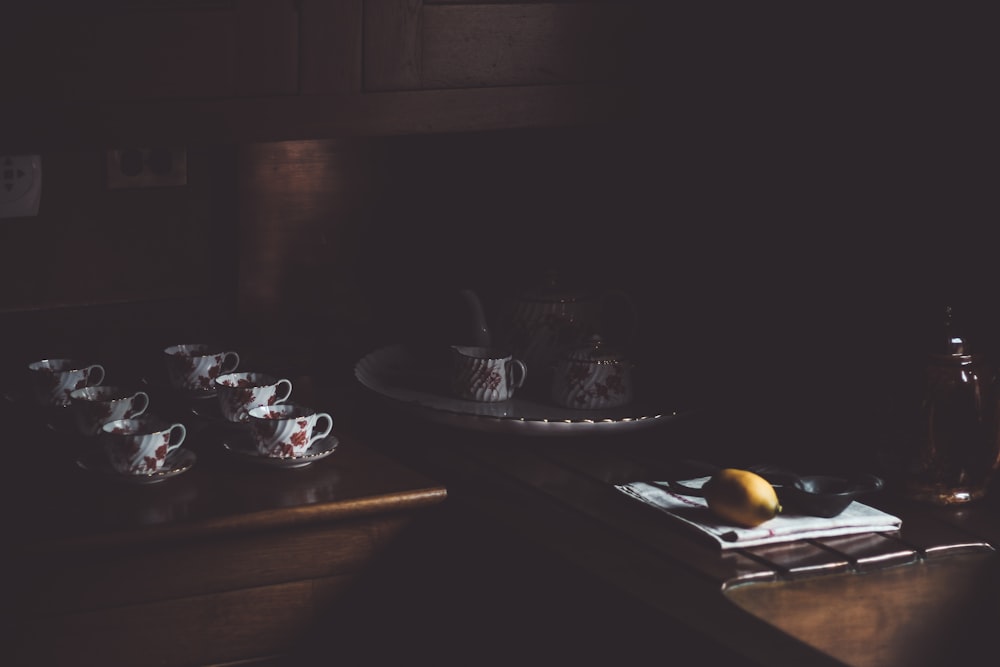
[
  {"x": 147, "y": 167},
  {"x": 20, "y": 185}
]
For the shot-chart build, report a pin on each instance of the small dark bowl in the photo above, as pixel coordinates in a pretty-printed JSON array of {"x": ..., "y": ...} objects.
[{"x": 819, "y": 495}]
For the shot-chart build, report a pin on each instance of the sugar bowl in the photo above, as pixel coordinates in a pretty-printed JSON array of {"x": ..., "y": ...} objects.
[{"x": 592, "y": 376}]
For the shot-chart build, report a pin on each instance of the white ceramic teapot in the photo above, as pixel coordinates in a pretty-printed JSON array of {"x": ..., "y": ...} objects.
[{"x": 546, "y": 320}]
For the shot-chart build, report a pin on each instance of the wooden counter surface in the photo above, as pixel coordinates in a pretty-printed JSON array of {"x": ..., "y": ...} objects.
[
  {"x": 233, "y": 559},
  {"x": 77, "y": 509},
  {"x": 538, "y": 557},
  {"x": 924, "y": 595}
]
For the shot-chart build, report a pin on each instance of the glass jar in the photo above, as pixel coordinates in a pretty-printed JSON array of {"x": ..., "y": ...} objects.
[{"x": 956, "y": 447}]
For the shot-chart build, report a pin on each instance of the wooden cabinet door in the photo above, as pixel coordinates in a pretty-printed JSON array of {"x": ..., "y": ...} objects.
[
  {"x": 438, "y": 44},
  {"x": 152, "y": 50}
]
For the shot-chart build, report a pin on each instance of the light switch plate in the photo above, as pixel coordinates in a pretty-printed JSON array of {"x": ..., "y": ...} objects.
[{"x": 20, "y": 185}]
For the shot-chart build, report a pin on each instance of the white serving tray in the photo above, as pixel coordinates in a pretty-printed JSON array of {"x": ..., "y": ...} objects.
[{"x": 418, "y": 384}]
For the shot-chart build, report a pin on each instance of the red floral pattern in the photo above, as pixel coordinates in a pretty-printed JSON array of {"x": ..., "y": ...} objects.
[
  {"x": 242, "y": 393},
  {"x": 300, "y": 437},
  {"x": 282, "y": 436},
  {"x": 195, "y": 370},
  {"x": 584, "y": 388},
  {"x": 132, "y": 454},
  {"x": 486, "y": 377}
]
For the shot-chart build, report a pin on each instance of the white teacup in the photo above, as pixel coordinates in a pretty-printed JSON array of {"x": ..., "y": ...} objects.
[
  {"x": 93, "y": 406},
  {"x": 485, "y": 374},
  {"x": 287, "y": 430},
  {"x": 52, "y": 380},
  {"x": 194, "y": 366},
  {"x": 592, "y": 376},
  {"x": 140, "y": 446},
  {"x": 238, "y": 393}
]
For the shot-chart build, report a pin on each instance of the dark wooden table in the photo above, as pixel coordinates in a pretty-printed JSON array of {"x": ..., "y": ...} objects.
[
  {"x": 530, "y": 557},
  {"x": 925, "y": 595},
  {"x": 229, "y": 561}
]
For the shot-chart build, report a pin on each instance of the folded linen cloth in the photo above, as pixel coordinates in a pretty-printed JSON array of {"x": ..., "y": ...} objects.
[{"x": 786, "y": 527}]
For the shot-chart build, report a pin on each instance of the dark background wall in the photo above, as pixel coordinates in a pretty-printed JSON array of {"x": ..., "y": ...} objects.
[
  {"x": 826, "y": 178},
  {"x": 792, "y": 200}
]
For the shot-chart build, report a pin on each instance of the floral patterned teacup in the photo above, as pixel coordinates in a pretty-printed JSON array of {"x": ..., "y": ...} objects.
[
  {"x": 140, "y": 446},
  {"x": 93, "y": 406},
  {"x": 485, "y": 374},
  {"x": 193, "y": 367},
  {"x": 52, "y": 380},
  {"x": 592, "y": 376},
  {"x": 287, "y": 430},
  {"x": 241, "y": 392}
]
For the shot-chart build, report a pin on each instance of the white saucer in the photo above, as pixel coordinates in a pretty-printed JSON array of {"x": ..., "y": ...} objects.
[
  {"x": 179, "y": 461},
  {"x": 245, "y": 447}
]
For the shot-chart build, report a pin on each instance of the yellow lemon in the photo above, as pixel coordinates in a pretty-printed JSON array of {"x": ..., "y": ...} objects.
[{"x": 741, "y": 497}]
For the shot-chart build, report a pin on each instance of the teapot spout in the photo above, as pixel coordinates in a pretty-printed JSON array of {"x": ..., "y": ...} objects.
[{"x": 480, "y": 330}]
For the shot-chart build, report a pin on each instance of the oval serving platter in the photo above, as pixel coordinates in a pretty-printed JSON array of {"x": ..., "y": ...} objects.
[{"x": 416, "y": 386}]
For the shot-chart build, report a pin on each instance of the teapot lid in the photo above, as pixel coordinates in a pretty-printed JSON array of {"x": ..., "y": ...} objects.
[{"x": 553, "y": 290}]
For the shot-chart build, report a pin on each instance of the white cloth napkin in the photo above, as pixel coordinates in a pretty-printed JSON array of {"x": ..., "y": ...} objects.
[{"x": 693, "y": 511}]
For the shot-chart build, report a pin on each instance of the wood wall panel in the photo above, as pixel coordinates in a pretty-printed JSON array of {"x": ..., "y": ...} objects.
[
  {"x": 158, "y": 51},
  {"x": 267, "y": 47},
  {"x": 509, "y": 45},
  {"x": 93, "y": 245},
  {"x": 302, "y": 207},
  {"x": 393, "y": 35},
  {"x": 331, "y": 44},
  {"x": 413, "y": 45},
  {"x": 369, "y": 243}
]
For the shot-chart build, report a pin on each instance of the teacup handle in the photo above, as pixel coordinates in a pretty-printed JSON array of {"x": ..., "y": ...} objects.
[
  {"x": 282, "y": 390},
  {"x": 140, "y": 402},
  {"x": 178, "y": 432},
  {"x": 95, "y": 375},
  {"x": 518, "y": 373},
  {"x": 320, "y": 434},
  {"x": 230, "y": 360}
]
